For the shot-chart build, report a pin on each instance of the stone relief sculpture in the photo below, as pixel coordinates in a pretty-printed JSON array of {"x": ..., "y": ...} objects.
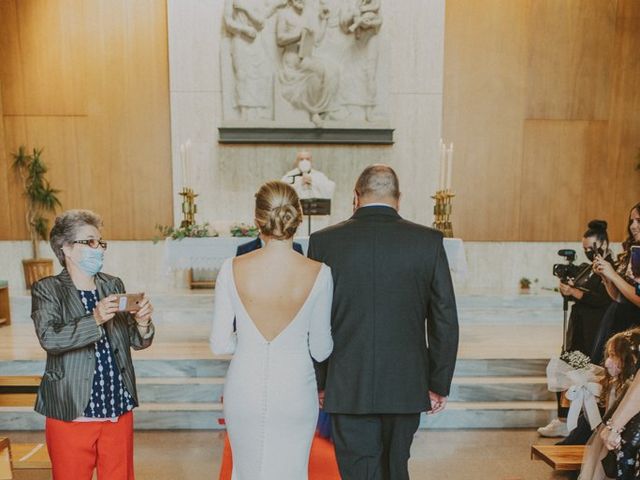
[
  {"x": 296, "y": 59},
  {"x": 309, "y": 83},
  {"x": 245, "y": 20},
  {"x": 358, "y": 83}
]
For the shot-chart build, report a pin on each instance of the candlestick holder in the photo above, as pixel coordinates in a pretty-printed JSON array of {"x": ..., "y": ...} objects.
[
  {"x": 189, "y": 207},
  {"x": 442, "y": 212}
]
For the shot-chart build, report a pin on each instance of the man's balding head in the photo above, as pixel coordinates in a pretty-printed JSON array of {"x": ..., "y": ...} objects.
[{"x": 377, "y": 184}]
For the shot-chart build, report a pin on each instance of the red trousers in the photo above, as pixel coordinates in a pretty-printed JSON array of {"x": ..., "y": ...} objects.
[{"x": 77, "y": 448}]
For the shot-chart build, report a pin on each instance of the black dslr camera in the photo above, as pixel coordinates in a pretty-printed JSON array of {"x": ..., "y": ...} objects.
[{"x": 570, "y": 271}]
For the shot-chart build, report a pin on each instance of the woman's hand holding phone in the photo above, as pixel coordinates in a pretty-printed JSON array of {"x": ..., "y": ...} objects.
[
  {"x": 143, "y": 316},
  {"x": 105, "y": 309}
]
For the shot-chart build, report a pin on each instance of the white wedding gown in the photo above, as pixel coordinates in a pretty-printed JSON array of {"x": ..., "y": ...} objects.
[{"x": 270, "y": 394}]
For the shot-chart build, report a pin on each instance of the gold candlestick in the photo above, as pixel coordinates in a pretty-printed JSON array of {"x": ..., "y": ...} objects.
[
  {"x": 189, "y": 207},
  {"x": 442, "y": 212}
]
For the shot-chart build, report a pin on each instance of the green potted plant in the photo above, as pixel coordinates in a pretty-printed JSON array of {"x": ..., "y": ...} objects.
[{"x": 41, "y": 201}]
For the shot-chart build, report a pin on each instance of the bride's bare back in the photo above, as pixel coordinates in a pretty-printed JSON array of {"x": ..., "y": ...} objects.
[{"x": 273, "y": 284}]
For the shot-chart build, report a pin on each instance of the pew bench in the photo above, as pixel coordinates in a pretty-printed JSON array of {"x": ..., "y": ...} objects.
[
  {"x": 24, "y": 461},
  {"x": 5, "y": 310},
  {"x": 559, "y": 457},
  {"x": 18, "y": 390}
]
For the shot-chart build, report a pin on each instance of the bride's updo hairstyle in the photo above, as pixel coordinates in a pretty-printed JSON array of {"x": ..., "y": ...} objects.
[{"x": 278, "y": 211}]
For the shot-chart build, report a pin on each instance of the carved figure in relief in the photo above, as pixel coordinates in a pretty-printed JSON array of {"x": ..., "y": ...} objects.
[
  {"x": 367, "y": 15},
  {"x": 358, "y": 91},
  {"x": 244, "y": 21},
  {"x": 308, "y": 82}
]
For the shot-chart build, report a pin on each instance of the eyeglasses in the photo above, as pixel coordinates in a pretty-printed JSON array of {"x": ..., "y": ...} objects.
[{"x": 93, "y": 243}]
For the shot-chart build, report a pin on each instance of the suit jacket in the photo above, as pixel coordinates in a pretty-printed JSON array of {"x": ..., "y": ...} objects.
[
  {"x": 391, "y": 277},
  {"x": 68, "y": 335},
  {"x": 256, "y": 244}
]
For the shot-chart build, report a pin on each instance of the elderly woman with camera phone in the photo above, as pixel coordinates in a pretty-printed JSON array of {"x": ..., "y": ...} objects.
[
  {"x": 88, "y": 390},
  {"x": 622, "y": 286}
]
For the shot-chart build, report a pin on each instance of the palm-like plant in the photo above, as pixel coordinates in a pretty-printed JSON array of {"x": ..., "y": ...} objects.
[{"x": 41, "y": 198}]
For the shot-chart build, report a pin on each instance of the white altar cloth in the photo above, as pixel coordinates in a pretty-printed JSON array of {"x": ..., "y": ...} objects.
[{"x": 209, "y": 253}]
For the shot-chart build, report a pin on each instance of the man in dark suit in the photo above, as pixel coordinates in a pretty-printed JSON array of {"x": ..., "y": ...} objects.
[
  {"x": 257, "y": 243},
  {"x": 392, "y": 290}
]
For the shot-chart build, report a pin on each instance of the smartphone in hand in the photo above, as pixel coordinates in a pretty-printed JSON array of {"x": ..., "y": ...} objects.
[
  {"x": 129, "y": 302},
  {"x": 635, "y": 261}
]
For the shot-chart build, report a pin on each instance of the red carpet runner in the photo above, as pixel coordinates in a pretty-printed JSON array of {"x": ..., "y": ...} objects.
[{"x": 322, "y": 462}]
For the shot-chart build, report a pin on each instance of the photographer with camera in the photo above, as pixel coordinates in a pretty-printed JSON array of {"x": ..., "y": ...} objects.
[
  {"x": 586, "y": 290},
  {"x": 622, "y": 284}
]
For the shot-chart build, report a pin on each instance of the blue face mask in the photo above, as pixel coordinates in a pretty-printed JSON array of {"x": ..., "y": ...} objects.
[{"x": 91, "y": 261}]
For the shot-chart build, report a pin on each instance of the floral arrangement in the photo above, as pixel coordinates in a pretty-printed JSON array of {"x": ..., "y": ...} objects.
[
  {"x": 576, "y": 360},
  {"x": 243, "y": 230},
  {"x": 190, "y": 231}
]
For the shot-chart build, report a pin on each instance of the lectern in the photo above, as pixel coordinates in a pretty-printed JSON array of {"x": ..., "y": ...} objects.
[{"x": 312, "y": 207}]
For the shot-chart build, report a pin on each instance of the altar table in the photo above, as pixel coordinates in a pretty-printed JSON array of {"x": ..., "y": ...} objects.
[{"x": 208, "y": 253}]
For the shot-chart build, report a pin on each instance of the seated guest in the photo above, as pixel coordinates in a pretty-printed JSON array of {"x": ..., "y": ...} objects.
[
  {"x": 88, "y": 389},
  {"x": 257, "y": 243},
  {"x": 589, "y": 307},
  {"x": 621, "y": 284},
  {"x": 621, "y": 365}
]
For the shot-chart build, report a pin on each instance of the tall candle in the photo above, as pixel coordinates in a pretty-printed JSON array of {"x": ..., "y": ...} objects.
[
  {"x": 442, "y": 166},
  {"x": 449, "y": 165},
  {"x": 188, "y": 162},
  {"x": 184, "y": 164}
]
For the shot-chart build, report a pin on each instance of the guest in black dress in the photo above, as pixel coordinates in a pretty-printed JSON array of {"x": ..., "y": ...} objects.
[
  {"x": 592, "y": 299},
  {"x": 590, "y": 302},
  {"x": 621, "y": 285}
]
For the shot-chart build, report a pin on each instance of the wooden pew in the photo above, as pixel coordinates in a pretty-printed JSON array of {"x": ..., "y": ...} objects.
[
  {"x": 5, "y": 460},
  {"x": 18, "y": 391},
  {"x": 30, "y": 461},
  {"x": 5, "y": 309},
  {"x": 559, "y": 457}
]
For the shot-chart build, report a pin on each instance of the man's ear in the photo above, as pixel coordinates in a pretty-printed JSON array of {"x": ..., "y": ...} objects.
[{"x": 356, "y": 201}]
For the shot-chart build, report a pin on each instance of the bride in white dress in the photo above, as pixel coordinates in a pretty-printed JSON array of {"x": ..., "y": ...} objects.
[{"x": 281, "y": 303}]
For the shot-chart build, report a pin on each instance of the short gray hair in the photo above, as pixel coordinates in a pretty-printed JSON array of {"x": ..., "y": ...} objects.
[
  {"x": 378, "y": 181},
  {"x": 65, "y": 227}
]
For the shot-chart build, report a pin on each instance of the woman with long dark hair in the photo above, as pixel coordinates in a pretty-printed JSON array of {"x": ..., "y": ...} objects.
[{"x": 621, "y": 285}]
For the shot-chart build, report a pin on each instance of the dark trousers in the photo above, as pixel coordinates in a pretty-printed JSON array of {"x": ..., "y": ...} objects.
[{"x": 374, "y": 447}]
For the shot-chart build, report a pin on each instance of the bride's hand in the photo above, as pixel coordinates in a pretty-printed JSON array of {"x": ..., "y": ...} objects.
[{"x": 321, "y": 398}]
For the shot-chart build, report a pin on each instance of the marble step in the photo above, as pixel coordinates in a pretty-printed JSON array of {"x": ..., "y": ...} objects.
[
  {"x": 217, "y": 367},
  {"x": 198, "y": 307},
  {"x": 464, "y": 389},
  {"x": 500, "y": 389},
  {"x": 207, "y": 416}
]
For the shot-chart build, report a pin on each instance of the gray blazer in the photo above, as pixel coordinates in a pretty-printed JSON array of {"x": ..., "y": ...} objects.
[{"x": 68, "y": 335}]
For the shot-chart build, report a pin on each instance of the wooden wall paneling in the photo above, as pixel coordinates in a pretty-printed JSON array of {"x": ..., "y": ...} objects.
[
  {"x": 131, "y": 41},
  {"x": 51, "y": 44},
  {"x": 10, "y": 58},
  {"x": 598, "y": 183},
  {"x": 148, "y": 84},
  {"x": 624, "y": 132},
  {"x": 570, "y": 56},
  {"x": 484, "y": 105},
  {"x": 15, "y": 127},
  {"x": 554, "y": 166},
  {"x": 102, "y": 113},
  {"x": 5, "y": 204}
]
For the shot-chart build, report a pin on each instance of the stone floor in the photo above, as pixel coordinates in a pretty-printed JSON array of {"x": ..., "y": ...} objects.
[{"x": 436, "y": 455}]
